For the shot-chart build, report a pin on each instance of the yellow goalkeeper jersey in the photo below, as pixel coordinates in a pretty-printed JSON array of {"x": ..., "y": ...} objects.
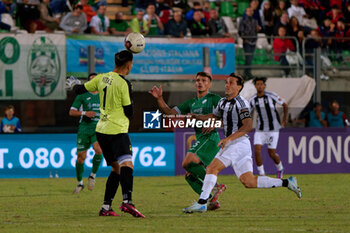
[{"x": 115, "y": 92}]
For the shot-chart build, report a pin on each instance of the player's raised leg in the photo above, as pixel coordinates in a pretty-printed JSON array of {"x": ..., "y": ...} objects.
[
  {"x": 244, "y": 170},
  {"x": 96, "y": 161},
  {"x": 251, "y": 181},
  {"x": 79, "y": 168}
]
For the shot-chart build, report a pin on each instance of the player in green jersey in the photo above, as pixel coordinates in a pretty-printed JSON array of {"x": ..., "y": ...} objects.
[
  {"x": 205, "y": 148},
  {"x": 112, "y": 129},
  {"x": 87, "y": 107}
]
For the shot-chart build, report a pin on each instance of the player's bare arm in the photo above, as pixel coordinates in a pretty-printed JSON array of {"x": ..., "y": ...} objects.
[
  {"x": 246, "y": 128},
  {"x": 158, "y": 94},
  {"x": 77, "y": 113},
  {"x": 252, "y": 113},
  {"x": 205, "y": 130}
]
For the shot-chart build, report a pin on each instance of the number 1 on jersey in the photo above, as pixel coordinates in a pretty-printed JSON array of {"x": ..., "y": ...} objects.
[{"x": 104, "y": 97}]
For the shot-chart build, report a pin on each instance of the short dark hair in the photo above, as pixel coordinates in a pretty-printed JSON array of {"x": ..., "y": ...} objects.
[
  {"x": 282, "y": 27},
  {"x": 204, "y": 74},
  {"x": 335, "y": 6},
  {"x": 334, "y": 101},
  {"x": 92, "y": 74},
  {"x": 316, "y": 104},
  {"x": 122, "y": 58},
  {"x": 263, "y": 79},
  {"x": 78, "y": 6},
  {"x": 140, "y": 10},
  {"x": 341, "y": 20},
  {"x": 196, "y": 4},
  {"x": 9, "y": 107},
  {"x": 240, "y": 80}
]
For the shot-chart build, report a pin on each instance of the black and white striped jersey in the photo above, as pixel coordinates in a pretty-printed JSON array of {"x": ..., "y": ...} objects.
[
  {"x": 232, "y": 112},
  {"x": 265, "y": 107}
]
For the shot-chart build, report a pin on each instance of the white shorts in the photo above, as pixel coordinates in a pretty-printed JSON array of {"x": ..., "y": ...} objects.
[
  {"x": 269, "y": 138},
  {"x": 238, "y": 154}
]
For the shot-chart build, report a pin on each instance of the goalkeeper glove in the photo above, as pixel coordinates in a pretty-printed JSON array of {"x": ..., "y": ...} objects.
[{"x": 71, "y": 82}]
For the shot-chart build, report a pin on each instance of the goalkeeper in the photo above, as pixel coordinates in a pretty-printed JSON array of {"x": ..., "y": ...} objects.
[
  {"x": 205, "y": 148},
  {"x": 87, "y": 107}
]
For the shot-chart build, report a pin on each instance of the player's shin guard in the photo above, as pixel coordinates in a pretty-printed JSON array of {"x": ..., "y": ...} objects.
[
  {"x": 96, "y": 161},
  {"x": 126, "y": 181},
  {"x": 195, "y": 183},
  {"x": 267, "y": 182},
  {"x": 79, "y": 168},
  {"x": 196, "y": 169},
  {"x": 111, "y": 187}
]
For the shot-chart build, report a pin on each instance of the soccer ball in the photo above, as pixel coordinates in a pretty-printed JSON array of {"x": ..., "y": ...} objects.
[{"x": 134, "y": 42}]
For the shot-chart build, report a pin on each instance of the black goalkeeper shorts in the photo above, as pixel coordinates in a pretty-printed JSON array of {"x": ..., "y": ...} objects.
[{"x": 115, "y": 148}]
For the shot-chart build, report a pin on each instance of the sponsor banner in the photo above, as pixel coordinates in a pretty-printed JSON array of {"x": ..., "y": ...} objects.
[
  {"x": 45, "y": 155},
  {"x": 302, "y": 150},
  {"x": 160, "y": 56},
  {"x": 32, "y": 67}
]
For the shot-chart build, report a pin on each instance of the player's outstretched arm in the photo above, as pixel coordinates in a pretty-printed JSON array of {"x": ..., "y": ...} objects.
[
  {"x": 158, "y": 94},
  {"x": 74, "y": 84}
]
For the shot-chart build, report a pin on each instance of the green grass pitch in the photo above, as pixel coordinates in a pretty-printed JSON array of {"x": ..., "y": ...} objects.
[{"x": 48, "y": 205}]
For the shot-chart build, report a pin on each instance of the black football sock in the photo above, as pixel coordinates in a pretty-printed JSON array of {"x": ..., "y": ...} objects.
[
  {"x": 202, "y": 201},
  {"x": 111, "y": 187},
  {"x": 285, "y": 183},
  {"x": 126, "y": 181}
]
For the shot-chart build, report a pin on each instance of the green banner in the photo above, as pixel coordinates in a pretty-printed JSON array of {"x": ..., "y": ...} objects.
[{"x": 32, "y": 67}]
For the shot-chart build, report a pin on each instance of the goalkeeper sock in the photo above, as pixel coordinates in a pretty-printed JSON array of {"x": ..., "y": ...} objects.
[
  {"x": 79, "y": 168},
  {"x": 111, "y": 188},
  {"x": 196, "y": 169},
  {"x": 96, "y": 161},
  {"x": 126, "y": 181}
]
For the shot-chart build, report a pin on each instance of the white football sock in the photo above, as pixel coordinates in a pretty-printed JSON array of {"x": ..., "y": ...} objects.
[
  {"x": 93, "y": 175},
  {"x": 80, "y": 182},
  {"x": 279, "y": 166},
  {"x": 261, "y": 170},
  {"x": 208, "y": 184},
  {"x": 106, "y": 207},
  {"x": 267, "y": 182}
]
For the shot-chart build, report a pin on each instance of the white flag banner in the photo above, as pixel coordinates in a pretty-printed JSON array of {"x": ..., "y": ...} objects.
[
  {"x": 297, "y": 92},
  {"x": 32, "y": 66}
]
